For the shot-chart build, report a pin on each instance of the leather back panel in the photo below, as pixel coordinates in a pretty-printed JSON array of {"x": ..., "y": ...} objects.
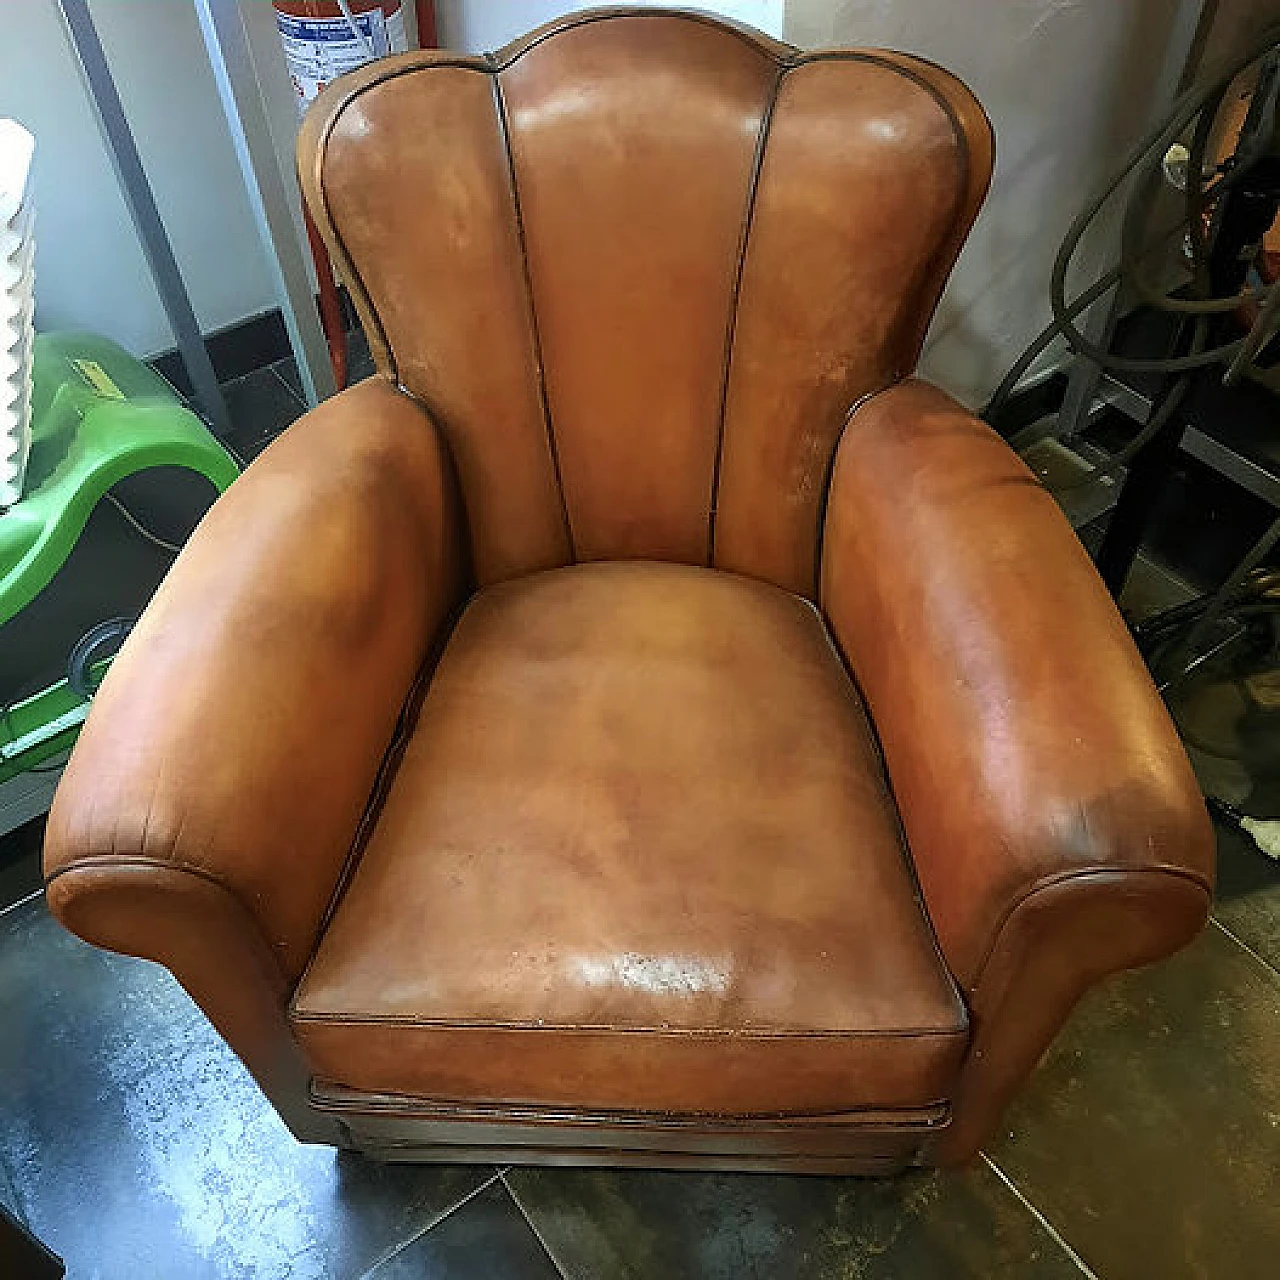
[{"x": 639, "y": 266}]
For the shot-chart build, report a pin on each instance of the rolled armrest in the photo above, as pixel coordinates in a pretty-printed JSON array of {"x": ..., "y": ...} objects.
[
  {"x": 235, "y": 742},
  {"x": 1055, "y": 825}
]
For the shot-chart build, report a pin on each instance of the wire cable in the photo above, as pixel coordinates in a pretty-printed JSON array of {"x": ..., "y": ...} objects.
[
  {"x": 1201, "y": 104},
  {"x": 1186, "y": 107},
  {"x": 171, "y": 547},
  {"x": 1217, "y": 607},
  {"x": 1008, "y": 384},
  {"x": 1198, "y": 103}
]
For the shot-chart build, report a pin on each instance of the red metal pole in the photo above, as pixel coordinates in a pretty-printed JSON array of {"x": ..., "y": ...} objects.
[
  {"x": 335, "y": 333},
  {"x": 428, "y": 37}
]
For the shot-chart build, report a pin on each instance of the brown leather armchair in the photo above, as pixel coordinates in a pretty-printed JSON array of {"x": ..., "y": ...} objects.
[{"x": 642, "y": 725}]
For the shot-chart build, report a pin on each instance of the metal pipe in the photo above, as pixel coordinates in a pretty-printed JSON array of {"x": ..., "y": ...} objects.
[{"x": 141, "y": 203}]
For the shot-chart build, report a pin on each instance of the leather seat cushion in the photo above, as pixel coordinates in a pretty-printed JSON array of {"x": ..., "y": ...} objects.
[{"x": 639, "y": 855}]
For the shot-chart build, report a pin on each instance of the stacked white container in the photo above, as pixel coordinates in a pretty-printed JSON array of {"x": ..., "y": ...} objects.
[{"x": 17, "y": 306}]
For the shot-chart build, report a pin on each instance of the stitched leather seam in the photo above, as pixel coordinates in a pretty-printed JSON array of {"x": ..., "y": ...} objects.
[
  {"x": 351, "y": 273},
  {"x": 387, "y": 770},
  {"x": 711, "y": 1033},
  {"x": 884, "y": 784},
  {"x": 109, "y": 861},
  {"x": 820, "y": 536},
  {"x": 921, "y": 82},
  {"x": 100, "y": 861},
  {"x": 1066, "y": 877},
  {"x": 500, "y": 109},
  {"x": 731, "y": 329},
  {"x": 943, "y": 249},
  {"x": 927, "y": 1115},
  {"x": 489, "y": 64}
]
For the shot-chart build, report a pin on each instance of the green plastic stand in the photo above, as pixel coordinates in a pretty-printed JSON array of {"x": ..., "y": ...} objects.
[{"x": 97, "y": 416}]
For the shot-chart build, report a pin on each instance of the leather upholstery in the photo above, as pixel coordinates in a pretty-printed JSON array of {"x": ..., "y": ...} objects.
[
  {"x": 232, "y": 747},
  {"x": 657, "y": 222},
  {"x": 1062, "y": 796},
  {"x": 612, "y": 869},
  {"x": 639, "y": 854}
]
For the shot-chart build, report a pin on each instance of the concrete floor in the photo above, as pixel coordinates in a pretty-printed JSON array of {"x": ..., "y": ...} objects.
[{"x": 1146, "y": 1146}]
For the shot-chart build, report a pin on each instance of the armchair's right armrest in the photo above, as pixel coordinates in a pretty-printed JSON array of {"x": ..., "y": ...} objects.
[
  {"x": 1052, "y": 816},
  {"x": 210, "y": 805}
]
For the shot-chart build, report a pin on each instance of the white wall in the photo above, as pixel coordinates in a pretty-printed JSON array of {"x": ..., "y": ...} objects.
[
  {"x": 90, "y": 272},
  {"x": 1068, "y": 87},
  {"x": 479, "y": 25}
]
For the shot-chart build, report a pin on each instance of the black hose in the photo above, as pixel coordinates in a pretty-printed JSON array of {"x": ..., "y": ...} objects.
[{"x": 1218, "y": 605}]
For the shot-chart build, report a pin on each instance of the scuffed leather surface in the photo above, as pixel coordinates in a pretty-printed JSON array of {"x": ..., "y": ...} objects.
[
  {"x": 862, "y": 150},
  {"x": 1023, "y": 736},
  {"x": 239, "y": 731},
  {"x": 1037, "y": 773},
  {"x": 418, "y": 173},
  {"x": 624, "y": 263},
  {"x": 633, "y": 159},
  {"x": 1062, "y": 938},
  {"x": 211, "y": 943},
  {"x": 638, "y": 854}
]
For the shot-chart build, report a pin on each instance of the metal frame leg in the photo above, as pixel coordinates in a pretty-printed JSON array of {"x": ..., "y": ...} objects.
[{"x": 142, "y": 208}]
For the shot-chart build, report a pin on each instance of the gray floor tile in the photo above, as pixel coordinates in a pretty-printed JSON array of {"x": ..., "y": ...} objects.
[
  {"x": 359, "y": 364},
  {"x": 287, "y": 369},
  {"x": 134, "y": 1134},
  {"x": 487, "y": 1237},
  {"x": 649, "y": 1225},
  {"x": 260, "y": 406},
  {"x": 1248, "y": 894},
  {"x": 1150, "y": 1134}
]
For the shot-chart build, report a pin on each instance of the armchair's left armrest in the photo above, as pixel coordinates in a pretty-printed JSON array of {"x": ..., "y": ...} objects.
[
  {"x": 1055, "y": 825},
  {"x": 215, "y": 795}
]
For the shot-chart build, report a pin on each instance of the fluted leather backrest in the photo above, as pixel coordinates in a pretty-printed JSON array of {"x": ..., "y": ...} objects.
[{"x": 639, "y": 266}]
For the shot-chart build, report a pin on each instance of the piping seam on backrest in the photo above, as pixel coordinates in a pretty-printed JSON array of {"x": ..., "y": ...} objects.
[
  {"x": 352, "y": 275},
  {"x": 731, "y": 327},
  {"x": 500, "y": 109}
]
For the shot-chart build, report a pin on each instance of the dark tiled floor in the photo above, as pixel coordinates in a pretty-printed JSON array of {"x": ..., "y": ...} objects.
[
  {"x": 665, "y": 1226},
  {"x": 359, "y": 364},
  {"x": 132, "y": 1133},
  {"x": 1146, "y": 1145},
  {"x": 486, "y": 1236},
  {"x": 1249, "y": 898},
  {"x": 1151, "y": 1134},
  {"x": 262, "y": 403}
]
